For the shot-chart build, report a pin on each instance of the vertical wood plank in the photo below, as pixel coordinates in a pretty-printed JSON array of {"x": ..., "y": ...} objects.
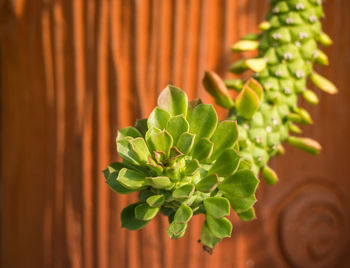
[{"x": 73, "y": 72}]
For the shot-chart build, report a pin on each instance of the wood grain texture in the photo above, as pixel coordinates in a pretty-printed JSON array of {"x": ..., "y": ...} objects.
[{"x": 73, "y": 72}]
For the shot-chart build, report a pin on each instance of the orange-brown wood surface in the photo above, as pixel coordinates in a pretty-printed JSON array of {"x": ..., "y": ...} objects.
[{"x": 74, "y": 71}]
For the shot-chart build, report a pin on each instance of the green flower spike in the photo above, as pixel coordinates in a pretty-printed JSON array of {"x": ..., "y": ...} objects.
[
  {"x": 287, "y": 50},
  {"x": 182, "y": 161}
]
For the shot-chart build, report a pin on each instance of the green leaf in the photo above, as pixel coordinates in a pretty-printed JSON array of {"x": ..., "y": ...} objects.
[
  {"x": 160, "y": 182},
  {"x": 151, "y": 133},
  {"x": 158, "y": 118},
  {"x": 305, "y": 116},
  {"x": 208, "y": 183},
  {"x": 159, "y": 141},
  {"x": 256, "y": 64},
  {"x": 217, "y": 207},
  {"x": 245, "y": 45},
  {"x": 183, "y": 214},
  {"x": 236, "y": 84},
  {"x": 217, "y": 88},
  {"x": 191, "y": 167},
  {"x": 226, "y": 164},
  {"x": 269, "y": 175},
  {"x": 294, "y": 128},
  {"x": 241, "y": 184},
  {"x": 131, "y": 179},
  {"x": 141, "y": 125},
  {"x": 176, "y": 126},
  {"x": 128, "y": 132},
  {"x": 203, "y": 121},
  {"x": 128, "y": 218},
  {"x": 251, "y": 36},
  {"x": 139, "y": 147},
  {"x": 240, "y": 204},
  {"x": 111, "y": 174},
  {"x": 310, "y": 97},
  {"x": 145, "y": 213},
  {"x": 155, "y": 201},
  {"x": 264, "y": 26},
  {"x": 325, "y": 39},
  {"x": 220, "y": 227},
  {"x": 247, "y": 103},
  {"x": 173, "y": 100},
  {"x": 247, "y": 215},
  {"x": 306, "y": 144},
  {"x": 323, "y": 83},
  {"x": 191, "y": 105},
  {"x": 255, "y": 86},
  {"x": 321, "y": 58},
  {"x": 185, "y": 142},
  {"x": 224, "y": 137},
  {"x": 125, "y": 151},
  {"x": 176, "y": 230},
  {"x": 208, "y": 239},
  {"x": 238, "y": 67},
  {"x": 183, "y": 192},
  {"x": 203, "y": 149}
]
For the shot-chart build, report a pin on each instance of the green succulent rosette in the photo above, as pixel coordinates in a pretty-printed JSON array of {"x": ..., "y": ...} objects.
[
  {"x": 287, "y": 50},
  {"x": 182, "y": 161}
]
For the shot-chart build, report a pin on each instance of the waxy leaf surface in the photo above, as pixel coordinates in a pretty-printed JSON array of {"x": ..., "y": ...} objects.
[
  {"x": 241, "y": 184},
  {"x": 217, "y": 207},
  {"x": 173, "y": 100},
  {"x": 203, "y": 121},
  {"x": 131, "y": 179},
  {"x": 220, "y": 227},
  {"x": 128, "y": 218}
]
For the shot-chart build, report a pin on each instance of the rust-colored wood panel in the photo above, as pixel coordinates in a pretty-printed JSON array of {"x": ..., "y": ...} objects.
[{"x": 73, "y": 72}]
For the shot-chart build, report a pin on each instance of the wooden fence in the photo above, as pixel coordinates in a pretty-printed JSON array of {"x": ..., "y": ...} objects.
[{"x": 74, "y": 71}]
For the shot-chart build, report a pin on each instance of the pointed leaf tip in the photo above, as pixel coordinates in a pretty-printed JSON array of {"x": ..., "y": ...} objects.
[
  {"x": 247, "y": 103},
  {"x": 256, "y": 64},
  {"x": 255, "y": 86},
  {"x": 247, "y": 215},
  {"x": 220, "y": 227},
  {"x": 183, "y": 214},
  {"x": 173, "y": 100},
  {"x": 323, "y": 83},
  {"x": 217, "y": 207},
  {"x": 269, "y": 175},
  {"x": 158, "y": 118},
  {"x": 264, "y": 26},
  {"x": 245, "y": 45},
  {"x": 217, "y": 89},
  {"x": 325, "y": 39},
  {"x": 306, "y": 144},
  {"x": 310, "y": 97}
]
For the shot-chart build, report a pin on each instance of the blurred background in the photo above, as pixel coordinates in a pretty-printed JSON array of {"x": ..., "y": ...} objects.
[{"x": 73, "y": 72}]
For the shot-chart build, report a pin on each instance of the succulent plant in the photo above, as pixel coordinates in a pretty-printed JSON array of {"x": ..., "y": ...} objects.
[
  {"x": 183, "y": 162},
  {"x": 287, "y": 49}
]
